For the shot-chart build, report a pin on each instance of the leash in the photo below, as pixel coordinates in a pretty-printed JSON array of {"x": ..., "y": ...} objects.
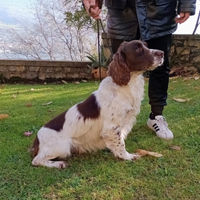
[
  {"x": 99, "y": 50},
  {"x": 100, "y": 2}
]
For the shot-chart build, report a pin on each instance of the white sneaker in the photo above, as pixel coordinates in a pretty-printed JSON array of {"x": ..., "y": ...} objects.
[{"x": 159, "y": 125}]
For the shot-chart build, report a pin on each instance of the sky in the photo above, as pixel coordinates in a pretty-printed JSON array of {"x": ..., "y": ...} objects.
[
  {"x": 14, "y": 9},
  {"x": 10, "y": 10}
]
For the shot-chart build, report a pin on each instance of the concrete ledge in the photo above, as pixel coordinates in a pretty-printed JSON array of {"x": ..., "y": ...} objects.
[{"x": 43, "y": 70}]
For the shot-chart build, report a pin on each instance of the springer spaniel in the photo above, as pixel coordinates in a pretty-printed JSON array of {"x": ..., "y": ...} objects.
[{"x": 106, "y": 117}]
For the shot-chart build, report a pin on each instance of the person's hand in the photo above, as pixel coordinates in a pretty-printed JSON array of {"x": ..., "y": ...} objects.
[
  {"x": 92, "y": 8},
  {"x": 182, "y": 17}
]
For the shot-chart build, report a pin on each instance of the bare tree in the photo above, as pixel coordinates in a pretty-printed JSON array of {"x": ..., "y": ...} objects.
[{"x": 52, "y": 32}]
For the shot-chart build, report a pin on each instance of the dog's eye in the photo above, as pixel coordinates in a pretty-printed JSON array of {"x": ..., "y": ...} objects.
[{"x": 139, "y": 49}]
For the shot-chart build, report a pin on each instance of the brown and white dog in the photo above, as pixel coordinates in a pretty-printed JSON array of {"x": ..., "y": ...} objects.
[{"x": 106, "y": 117}]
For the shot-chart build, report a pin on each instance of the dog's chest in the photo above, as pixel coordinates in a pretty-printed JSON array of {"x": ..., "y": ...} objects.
[{"x": 121, "y": 103}]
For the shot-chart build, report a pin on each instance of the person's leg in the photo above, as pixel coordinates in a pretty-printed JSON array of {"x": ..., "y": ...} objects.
[
  {"x": 122, "y": 25},
  {"x": 158, "y": 86},
  {"x": 159, "y": 78},
  {"x": 115, "y": 43}
]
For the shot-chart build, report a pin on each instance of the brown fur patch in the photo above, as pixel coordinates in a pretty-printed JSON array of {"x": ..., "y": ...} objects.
[
  {"x": 89, "y": 108},
  {"x": 35, "y": 147},
  {"x": 56, "y": 123}
]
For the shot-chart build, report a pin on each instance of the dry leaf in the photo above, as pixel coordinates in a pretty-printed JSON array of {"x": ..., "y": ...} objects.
[
  {"x": 144, "y": 153},
  {"x": 187, "y": 78},
  {"x": 65, "y": 82},
  {"x": 174, "y": 81},
  {"x": 197, "y": 88},
  {"x": 14, "y": 96},
  {"x": 28, "y": 104},
  {"x": 174, "y": 77},
  {"x": 3, "y": 116},
  {"x": 155, "y": 154},
  {"x": 196, "y": 78},
  {"x": 44, "y": 104},
  {"x": 181, "y": 100},
  {"x": 175, "y": 147},
  {"x": 84, "y": 81},
  {"x": 76, "y": 82},
  {"x": 32, "y": 89},
  {"x": 28, "y": 133}
]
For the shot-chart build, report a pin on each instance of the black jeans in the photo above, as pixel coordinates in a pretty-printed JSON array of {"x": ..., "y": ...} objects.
[{"x": 159, "y": 78}]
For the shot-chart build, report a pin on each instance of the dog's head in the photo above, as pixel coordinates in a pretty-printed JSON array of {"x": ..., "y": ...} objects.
[{"x": 133, "y": 56}]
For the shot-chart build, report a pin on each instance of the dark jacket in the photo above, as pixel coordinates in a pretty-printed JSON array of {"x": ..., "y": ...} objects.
[{"x": 154, "y": 18}]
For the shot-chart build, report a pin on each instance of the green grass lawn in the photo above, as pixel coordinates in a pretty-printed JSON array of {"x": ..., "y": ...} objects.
[{"x": 100, "y": 175}]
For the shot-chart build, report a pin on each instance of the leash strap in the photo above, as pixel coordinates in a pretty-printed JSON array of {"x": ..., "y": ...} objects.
[
  {"x": 99, "y": 50},
  {"x": 99, "y": 54},
  {"x": 98, "y": 37},
  {"x": 107, "y": 41}
]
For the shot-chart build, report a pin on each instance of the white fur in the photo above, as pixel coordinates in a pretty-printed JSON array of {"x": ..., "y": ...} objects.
[{"x": 119, "y": 106}]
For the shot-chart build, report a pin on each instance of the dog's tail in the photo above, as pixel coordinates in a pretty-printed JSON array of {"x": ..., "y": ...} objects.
[{"x": 35, "y": 148}]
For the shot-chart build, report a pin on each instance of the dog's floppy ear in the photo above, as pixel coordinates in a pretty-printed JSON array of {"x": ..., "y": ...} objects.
[{"x": 118, "y": 68}]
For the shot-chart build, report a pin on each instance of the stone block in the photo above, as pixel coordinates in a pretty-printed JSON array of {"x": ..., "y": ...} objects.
[
  {"x": 73, "y": 75},
  {"x": 194, "y": 43},
  {"x": 185, "y": 52},
  {"x": 195, "y": 50},
  {"x": 34, "y": 69},
  {"x": 196, "y": 59},
  {"x": 179, "y": 43},
  {"x": 42, "y": 75},
  {"x": 184, "y": 58},
  {"x": 60, "y": 75},
  {"x": 31, "y": 75},
  {"x": 67, "y": 70},
  {"x": 49, "y": 69},
  {"x": 191, "y": 69},
  {"x": 3, "y": 69},
  {"x": 21, "y": 68},
  {"x": 15, "y": 74},
  {"x": 12, "y": 68},
  {"x": 58, "y": 69}
]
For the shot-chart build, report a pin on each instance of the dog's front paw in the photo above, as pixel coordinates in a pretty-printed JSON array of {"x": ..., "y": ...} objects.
[
  {"x": 135, "y": 156},
  {"x": 59, "y": 164}
]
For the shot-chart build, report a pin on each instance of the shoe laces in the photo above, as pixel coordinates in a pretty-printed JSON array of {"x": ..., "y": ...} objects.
[{"x": 162, "y": 123}]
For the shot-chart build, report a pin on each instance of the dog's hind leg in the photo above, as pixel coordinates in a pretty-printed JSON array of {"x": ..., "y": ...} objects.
[
  {"x": 45, "y": 159},
  {"x": 49, "y": 151},
  {"x": 50, "y": 145}
]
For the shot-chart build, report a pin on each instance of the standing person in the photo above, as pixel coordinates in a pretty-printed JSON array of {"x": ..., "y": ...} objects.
[{"x": 152, "y": 21}]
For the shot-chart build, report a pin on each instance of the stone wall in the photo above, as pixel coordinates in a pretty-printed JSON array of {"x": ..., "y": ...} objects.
[
  {"x": 190, "y": 57},
  {"x": 14, "y": 70},
  {"x": 186, "y": 51}
]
